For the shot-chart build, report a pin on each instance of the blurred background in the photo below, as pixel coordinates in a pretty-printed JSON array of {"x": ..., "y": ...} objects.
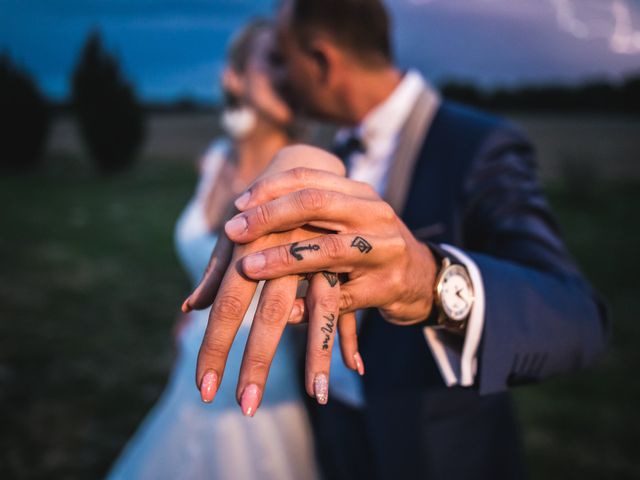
[{"x": 105, "y": 106}]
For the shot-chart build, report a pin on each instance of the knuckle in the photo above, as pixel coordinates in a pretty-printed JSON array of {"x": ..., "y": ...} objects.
[
  {"x": 346, "y": 300},
  {"x": 227, "y": 308},
  {"x": 329, "y": 303},
  {"x": 311, "y": 199},
  {"x": 284, "y": 256},
  {"x": 263, "y": 214},
  {"x": 349, "y": 339},
  {"x": 258, "y": 362},
  {"x": 368, "y": 189},
  {"x": 332, "y": 247},
  {"x": 394, "y": 311},
  {"x": 300, "y": 174},
  {"x": 395, "y": 280},
  {"x": 386, "y": 212},
  {"x": 273, "y": 309},
  {"x": 398, "y": 246},
  {"x": 212, "y": 348}
]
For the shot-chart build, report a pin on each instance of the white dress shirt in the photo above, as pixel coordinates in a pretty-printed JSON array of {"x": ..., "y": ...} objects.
[{"x": 379, "y": 132}]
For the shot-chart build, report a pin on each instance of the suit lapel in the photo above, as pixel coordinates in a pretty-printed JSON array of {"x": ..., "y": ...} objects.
[{"x": 410, "y": 139}]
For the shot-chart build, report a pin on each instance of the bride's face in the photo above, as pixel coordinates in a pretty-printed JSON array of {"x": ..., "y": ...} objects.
[{"x": 258, "y": 87}]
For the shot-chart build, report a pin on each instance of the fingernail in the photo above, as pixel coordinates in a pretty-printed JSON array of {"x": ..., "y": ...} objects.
[
  {"x": 321, "y": 388},
  {"x": 359, "y": 363},
  {"x": 296, "y": 312},
  {"x": 208, "y": 386},
  {"x": 250, "y": 399},
  {"x": 242, "y": 200},
  {"x": 255, "y": 262},
  {"x": 186, "y": 308},
  {"x": 236, "y": 225}
]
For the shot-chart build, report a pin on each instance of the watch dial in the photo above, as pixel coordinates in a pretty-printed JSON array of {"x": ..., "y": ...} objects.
[{"x": 456, "y": 294}]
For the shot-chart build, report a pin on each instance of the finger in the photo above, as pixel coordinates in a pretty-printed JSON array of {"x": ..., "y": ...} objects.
[
  {"x": 323, "y": 302},
  {"x": 228, "y": 310},
  {"x": 301, "y": 178},
  {"x": 274, "y": 309},
  {"x": 356, "y": 295},
  {"x": 365, "y": 292},
  {"x": 299, "y": 314},
  {"x": 319, "y": 208},
  {"x": 348, "y": 336},
  {"x": 204, "y": 294},
  {"x": 336, "y": 253}
]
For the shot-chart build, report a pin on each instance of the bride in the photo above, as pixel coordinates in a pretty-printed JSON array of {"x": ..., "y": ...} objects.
[{"x": 182, "y": 437}]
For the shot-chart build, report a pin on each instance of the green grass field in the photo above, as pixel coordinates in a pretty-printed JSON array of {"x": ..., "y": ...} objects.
[{"x": 90, "y": 287}]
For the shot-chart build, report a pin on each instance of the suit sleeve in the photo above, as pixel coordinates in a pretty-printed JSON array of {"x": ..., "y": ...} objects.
[{"x": 541, "y": 317}]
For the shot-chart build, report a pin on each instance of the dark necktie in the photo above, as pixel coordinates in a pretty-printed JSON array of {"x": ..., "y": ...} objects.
[{"x": 344, "y": 149}]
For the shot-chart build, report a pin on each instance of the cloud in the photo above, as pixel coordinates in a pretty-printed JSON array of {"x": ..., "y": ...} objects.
[
  {"x": 567, "y": 20},
  {"x": 625, "y": 38},
  {"x": 614, "y": 22},
  {"x": 507, "y": 41}
]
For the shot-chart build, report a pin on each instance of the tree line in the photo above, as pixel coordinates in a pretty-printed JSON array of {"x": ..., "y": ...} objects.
[
  {"x": 593, "y": 96},
  {"x": 110, "y": 119}
]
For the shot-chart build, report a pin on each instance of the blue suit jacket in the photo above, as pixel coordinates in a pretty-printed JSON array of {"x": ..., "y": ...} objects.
[{"x": 476, "y": 179}]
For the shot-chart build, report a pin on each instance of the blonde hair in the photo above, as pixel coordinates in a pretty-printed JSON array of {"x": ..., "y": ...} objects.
[{"x": 241, "y": 45}]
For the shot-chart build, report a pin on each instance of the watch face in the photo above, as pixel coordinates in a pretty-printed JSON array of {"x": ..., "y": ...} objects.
[{"x": 456, "y": 292}]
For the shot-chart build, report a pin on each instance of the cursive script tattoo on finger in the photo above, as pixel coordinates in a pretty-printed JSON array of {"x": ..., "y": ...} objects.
[
  {"x": 295, "y": 249},
  {"x": 361, "y": 244},
  {"x": 327, "y": 329},
  {"x": 331, "y": 277}
]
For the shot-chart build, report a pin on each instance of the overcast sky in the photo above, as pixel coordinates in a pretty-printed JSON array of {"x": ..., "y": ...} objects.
[{"x": 175, "y": 48}]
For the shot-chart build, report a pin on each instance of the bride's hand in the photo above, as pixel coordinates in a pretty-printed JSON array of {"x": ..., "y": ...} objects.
[
  {"x": 231, "y": 293},
  {"x": 291, "y": 158}
]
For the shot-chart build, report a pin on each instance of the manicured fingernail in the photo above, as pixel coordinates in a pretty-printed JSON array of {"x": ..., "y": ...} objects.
[
  {"x": 321, "y": 388},
  {"x": 250, "y": 399},
  {"x": 359, "y": 363},
  {"x": 209, "y": 386},
  {"x": 186, "y": 308},
  {"x": 236, "y": 225},
  {"x": 242, "y": 200},
  {"x": 255, "y": 262}
]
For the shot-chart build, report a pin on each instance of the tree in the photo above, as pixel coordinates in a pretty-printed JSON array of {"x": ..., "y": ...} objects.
[
  {"x": 24, "y": 119},
  {"x": 111, "y": 121}
]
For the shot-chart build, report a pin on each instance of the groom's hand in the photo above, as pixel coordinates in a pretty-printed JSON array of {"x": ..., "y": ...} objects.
[{"x": 387, "y": 267}]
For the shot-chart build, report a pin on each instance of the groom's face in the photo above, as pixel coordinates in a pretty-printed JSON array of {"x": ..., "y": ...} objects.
[{"x": 300, "y": 79}]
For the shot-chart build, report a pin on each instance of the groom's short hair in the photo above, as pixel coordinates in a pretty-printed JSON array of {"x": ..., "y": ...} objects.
[{"x": 359, "y": 26}]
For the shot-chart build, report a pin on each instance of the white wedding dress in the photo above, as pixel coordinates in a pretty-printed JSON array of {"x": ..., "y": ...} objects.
[{"x": 184, "y": 438}]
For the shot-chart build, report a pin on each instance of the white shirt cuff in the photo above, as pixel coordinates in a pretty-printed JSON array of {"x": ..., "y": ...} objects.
[{"x": 456, "y": 357}]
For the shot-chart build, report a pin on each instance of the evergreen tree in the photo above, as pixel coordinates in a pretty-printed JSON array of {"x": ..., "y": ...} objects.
[
  {"x": 111, "y": 121},
  {"x": 24, "y": 119}
]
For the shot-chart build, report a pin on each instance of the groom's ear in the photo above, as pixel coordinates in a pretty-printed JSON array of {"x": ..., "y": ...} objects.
[{"x": 326, "y": 59}]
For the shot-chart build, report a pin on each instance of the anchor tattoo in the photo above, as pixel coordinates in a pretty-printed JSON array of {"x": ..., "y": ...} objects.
[{"x": 295, "y": 249}]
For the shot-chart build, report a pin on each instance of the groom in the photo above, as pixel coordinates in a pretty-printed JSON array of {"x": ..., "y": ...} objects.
[{"x": 467, "y": 285}]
